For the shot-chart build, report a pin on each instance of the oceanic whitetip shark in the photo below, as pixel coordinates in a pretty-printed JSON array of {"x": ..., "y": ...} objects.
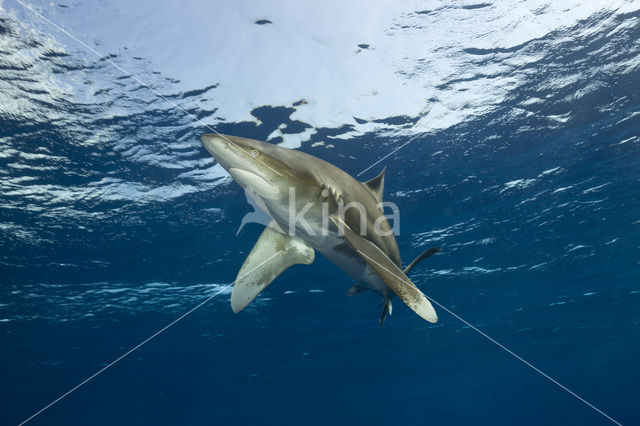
[{"x": 306, "y": 197}]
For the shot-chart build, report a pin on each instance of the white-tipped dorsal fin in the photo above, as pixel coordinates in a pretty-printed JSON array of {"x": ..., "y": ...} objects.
[
  {"x": 376, "y": 185},
  {"x": 273, "y": 253}
]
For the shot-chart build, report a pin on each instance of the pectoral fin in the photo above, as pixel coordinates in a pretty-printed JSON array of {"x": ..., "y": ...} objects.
[
  {"x": 388, "y": 271},
  {"x": 272, "y": 254}
]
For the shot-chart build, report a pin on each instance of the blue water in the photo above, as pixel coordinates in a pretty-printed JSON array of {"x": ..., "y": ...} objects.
[{"x": 112, "y": 226}]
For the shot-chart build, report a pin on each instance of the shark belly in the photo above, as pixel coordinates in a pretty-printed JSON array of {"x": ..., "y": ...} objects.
[
  {"x": 335, "y": 248},
  {"x": 353, "y": 265},
  {"x": 307, "y": 200}
]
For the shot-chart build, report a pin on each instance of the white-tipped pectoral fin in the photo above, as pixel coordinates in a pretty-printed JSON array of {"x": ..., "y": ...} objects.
[
  {"x": 389, "y": 272},
  {"x": 271, "y": 255}
]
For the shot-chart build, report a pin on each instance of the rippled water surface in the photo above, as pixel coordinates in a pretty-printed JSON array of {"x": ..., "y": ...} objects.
[{"x": 518, "y": 125}]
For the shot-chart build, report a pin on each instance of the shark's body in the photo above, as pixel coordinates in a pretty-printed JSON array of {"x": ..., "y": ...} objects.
[{"x": 293, "y": 184}]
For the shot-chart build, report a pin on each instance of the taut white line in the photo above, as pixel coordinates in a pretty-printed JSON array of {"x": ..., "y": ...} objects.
[
  {"x": 133, "y": 349},
  {"x": 509, "y": 351},
  {"x": 118, "y": 67}
]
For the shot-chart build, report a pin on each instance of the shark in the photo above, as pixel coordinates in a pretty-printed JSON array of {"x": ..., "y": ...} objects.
[{"x": 316, "y": 207}]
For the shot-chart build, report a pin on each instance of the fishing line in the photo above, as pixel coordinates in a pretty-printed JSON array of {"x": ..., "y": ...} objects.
[
  {"x": 26, "y": 6},
  {"x": 133, "y": 349},
  {"x": 118, "y": 67},
  {"x": 500, "y": 345}
]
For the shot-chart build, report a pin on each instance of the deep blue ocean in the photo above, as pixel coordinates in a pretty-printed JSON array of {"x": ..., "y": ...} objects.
[{"x": 114, "y": 222}]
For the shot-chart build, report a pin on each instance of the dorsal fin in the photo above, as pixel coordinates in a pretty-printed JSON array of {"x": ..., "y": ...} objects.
[{"x": 376, "y": 185}]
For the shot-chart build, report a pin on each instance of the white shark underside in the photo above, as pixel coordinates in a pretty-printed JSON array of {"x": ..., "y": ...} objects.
[{"x": 358, "y": 240}]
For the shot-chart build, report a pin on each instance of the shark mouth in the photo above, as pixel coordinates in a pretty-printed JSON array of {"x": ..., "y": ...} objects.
[{"x": 254, "y": 182}]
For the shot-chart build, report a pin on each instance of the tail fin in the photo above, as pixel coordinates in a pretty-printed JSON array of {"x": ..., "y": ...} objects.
[
  {"x": 386, "y": 307},
  {"x": 424, "y": 255}
]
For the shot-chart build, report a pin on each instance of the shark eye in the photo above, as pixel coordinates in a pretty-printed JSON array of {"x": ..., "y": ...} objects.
[{"x": 254, "y": 153}]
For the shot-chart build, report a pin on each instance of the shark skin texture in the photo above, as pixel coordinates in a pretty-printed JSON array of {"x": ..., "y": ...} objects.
[{"x": 316, "y": 206}]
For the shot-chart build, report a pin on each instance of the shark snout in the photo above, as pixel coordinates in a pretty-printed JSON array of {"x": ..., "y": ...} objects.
[
  {"x": 218, "y": 147},
  {"x": 227, "y": 150},
  {"x": 241, "y": 160}
]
